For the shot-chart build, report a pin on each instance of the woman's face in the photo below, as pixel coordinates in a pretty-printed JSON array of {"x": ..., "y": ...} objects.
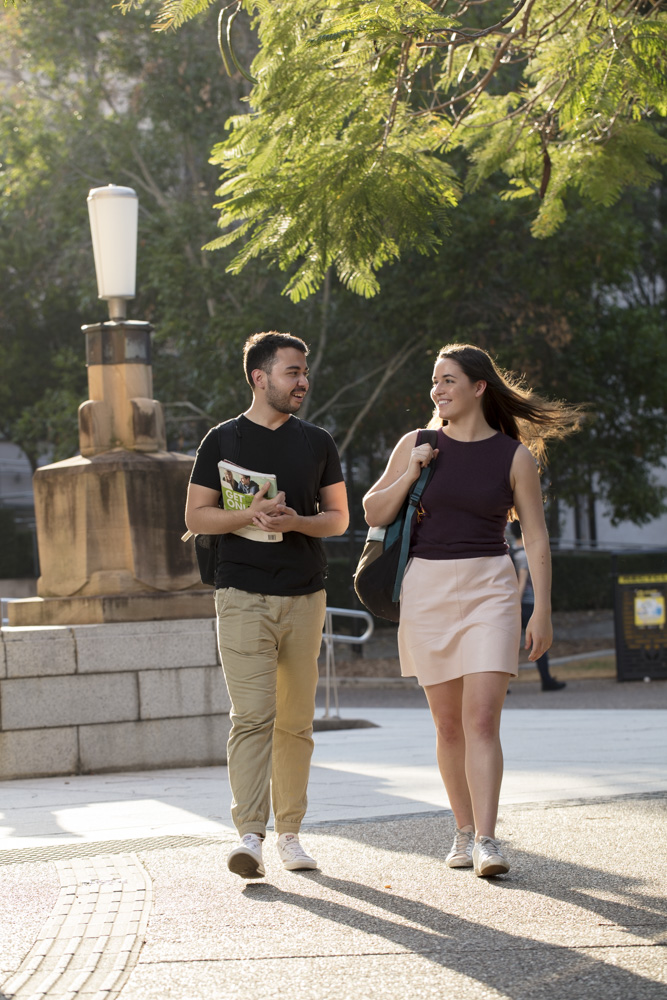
[{"x": 453, "y": 393}]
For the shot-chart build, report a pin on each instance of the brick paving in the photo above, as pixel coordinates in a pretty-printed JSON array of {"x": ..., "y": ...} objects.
[{"x": 91, "y": 941}]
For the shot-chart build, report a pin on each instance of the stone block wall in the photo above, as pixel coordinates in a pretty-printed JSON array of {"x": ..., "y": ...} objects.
[{"x": 89, "y": 698}]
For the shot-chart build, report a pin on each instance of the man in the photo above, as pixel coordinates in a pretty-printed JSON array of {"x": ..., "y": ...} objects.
[
  {"x": 270, "y": 598},
  {"x": 247, "y": 485}
]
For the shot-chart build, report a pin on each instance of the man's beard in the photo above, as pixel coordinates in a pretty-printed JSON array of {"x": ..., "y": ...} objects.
[{"x": 283, "y": 402}]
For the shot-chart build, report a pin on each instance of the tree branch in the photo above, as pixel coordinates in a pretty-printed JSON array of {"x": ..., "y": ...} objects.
[
  {"x": 349, "y": 385},
  {"x": 405, "y": 51},
  {"x": 322, "y": 341},
  {"x": 476, "y": 34},
  {"x": 396, "y": 362}
]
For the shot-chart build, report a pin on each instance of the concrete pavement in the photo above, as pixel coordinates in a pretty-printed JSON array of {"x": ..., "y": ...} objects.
[{"x": 116, "y": 886}]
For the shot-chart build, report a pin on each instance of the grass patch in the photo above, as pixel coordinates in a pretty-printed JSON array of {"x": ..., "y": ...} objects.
[{"x": 603, "y": 666}]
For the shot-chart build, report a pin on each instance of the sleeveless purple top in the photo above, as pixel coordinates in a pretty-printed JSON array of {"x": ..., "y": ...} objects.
[{"x": 467, "y": 499}]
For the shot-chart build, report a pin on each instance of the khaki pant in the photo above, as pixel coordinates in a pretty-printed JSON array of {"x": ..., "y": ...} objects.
[{"x": 269, "y": 647}]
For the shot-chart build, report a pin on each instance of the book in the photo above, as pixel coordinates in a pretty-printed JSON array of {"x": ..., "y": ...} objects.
[{"x": 238, "y": 487}]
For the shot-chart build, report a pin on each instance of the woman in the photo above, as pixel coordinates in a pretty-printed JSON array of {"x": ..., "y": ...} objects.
[
  {"x": 228, "y": 479},
  {"x": 460, "y": 623}
]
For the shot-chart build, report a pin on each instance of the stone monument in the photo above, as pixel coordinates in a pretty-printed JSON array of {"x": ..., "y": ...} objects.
[{"x": 109, "y": 521}]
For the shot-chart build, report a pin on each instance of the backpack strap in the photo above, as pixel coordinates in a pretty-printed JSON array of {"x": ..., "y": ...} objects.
[
  {"x": 229, "y": 439},
  {"x": 229, "y": 443},
  {"x": 414, "y": 496}
]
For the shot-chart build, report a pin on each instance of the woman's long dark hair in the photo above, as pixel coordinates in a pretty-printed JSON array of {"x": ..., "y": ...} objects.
[{"x": 509, "y": 405}]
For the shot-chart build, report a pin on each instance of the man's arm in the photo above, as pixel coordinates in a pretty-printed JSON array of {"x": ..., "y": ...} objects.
[
  {"x": 332, "y": 519},
  {"x": 204, "y": 517}
]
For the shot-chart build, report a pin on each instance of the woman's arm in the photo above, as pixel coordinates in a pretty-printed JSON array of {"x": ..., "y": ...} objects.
[
  {"x": 384, "y": 500},
  {"x": 523, "y": 580},
  {"x": 527, "y": 491}
]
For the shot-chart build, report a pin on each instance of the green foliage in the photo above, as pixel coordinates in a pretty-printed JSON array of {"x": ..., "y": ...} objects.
[
  {"x": 173, "y": 13},
  {"x": 96, "y": 97},
  {"x": 48, "y": 425},
  {"x": 381, "y": 21},
  {"x": 92, "y": 96},
  {"x": 338, "y": 189},
  {"x": 351, "y": 152},
  {"x": 582, "y": 581},
  {"x": 17, "y": 550}
]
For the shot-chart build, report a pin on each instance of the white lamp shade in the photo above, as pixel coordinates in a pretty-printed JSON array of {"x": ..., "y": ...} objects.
[{"x": 113, "y": 213}]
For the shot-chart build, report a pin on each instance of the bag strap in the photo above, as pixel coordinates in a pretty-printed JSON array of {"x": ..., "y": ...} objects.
[
  {"x": 229, "y": 439},
  {"x": 414, "y": 496}
]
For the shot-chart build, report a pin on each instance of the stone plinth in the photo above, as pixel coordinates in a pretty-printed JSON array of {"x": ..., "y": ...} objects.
[
  {"x": 131, "y": 696},
  {"x": 112, "y": 608},
  {"x": 112, "y": 524}
]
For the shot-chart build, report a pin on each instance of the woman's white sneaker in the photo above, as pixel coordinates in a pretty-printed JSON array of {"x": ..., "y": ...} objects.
[
  {"x": 488, "y": 859},
  {"x": 292, "y": 854},
  {"x": 246, "y": 859},
  {"x": 460, "y": 855}
]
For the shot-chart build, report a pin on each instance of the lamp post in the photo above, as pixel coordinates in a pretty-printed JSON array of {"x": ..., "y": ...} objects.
[
  {"x": 114, "y": 214},
  {"x": 109, "y": 520},
  {"x": 120, "y": 411}
]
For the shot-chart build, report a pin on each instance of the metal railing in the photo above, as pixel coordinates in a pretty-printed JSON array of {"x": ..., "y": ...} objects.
[{"x": 329, "y": 637}]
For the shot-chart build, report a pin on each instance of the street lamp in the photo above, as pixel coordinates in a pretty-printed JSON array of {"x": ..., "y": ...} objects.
[
  {"x": 109, "y": 520},
  {"x": 113, "y": 213},
  {"x": 120, "y": 411}
]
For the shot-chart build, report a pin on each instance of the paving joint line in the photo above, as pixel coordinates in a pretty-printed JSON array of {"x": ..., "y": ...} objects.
[
  {"x": 398, "y": 953},
  {"x": 92, "y": 939}
]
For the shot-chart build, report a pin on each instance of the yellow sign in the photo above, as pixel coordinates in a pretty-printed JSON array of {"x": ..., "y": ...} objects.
[
  {"x": 646, "y": 578},
  {"x": 649, "y": 609}
]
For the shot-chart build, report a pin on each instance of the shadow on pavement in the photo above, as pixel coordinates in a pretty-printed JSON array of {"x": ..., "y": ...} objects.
[{"x": 514, "y": 964}]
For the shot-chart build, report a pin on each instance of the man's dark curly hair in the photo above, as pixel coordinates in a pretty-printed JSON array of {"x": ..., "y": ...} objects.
[{"x": 259, "y": 351}]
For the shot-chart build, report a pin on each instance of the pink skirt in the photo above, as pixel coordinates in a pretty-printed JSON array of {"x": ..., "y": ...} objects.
[{"x": 459, "y": 616}]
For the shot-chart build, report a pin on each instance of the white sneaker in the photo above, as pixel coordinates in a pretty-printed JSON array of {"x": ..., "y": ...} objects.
[
  {"x": 292, "y": 853},
  {"x": 460, "y": 855},
  {"x": 246, "y": 859},
  {"x": 488, "y": 858}
]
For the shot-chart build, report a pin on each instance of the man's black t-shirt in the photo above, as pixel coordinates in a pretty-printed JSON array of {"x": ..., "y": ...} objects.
[{"x": 303, "y": 458}]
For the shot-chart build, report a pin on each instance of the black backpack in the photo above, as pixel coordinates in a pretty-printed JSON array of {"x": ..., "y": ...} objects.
[{"x": 206, "y": 546}]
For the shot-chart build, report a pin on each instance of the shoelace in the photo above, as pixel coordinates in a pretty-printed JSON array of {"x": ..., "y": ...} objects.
[
  {"x": 252, "y": 842},
  {"x": 463, "y": 841},
  {"x": 490, "y": 846},
  {"x": 295, "y": 850}
]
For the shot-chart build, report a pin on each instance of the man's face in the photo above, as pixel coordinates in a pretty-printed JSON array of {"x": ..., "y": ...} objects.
[
  {"x": 287, "y": 383},
  {"x": 245, "y": 480}
]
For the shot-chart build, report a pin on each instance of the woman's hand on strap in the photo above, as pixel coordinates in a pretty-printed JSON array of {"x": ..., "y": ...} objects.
[
  {"x": 383, "y": 501},
  {"x": 420, "y": 456}
]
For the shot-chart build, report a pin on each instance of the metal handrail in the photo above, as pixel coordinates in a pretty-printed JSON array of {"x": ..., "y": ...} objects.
[{"x": 329, "y": 637}]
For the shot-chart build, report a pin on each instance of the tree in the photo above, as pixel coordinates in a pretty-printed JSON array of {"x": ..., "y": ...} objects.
[
  {"x": 88, "y": 96},
  {"x": 367, "y": 120},
  {"x": 581, "y": 313}
]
